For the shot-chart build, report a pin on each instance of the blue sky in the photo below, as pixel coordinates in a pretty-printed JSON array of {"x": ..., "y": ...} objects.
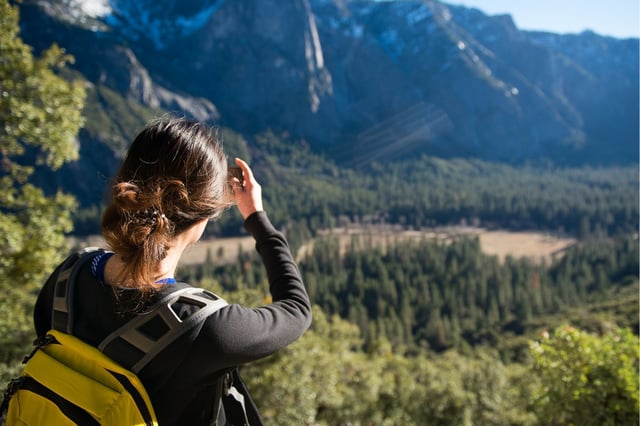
[{"x": 617, "y": 18}]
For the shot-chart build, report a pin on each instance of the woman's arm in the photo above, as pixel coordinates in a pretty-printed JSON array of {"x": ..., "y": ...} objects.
[{"x": 241, "y": 334}]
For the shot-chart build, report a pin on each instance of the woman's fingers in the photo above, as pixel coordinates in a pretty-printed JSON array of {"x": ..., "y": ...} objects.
[{"x": 247, "y": 193}]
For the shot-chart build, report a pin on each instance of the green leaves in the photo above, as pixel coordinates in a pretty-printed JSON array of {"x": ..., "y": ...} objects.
[
  {"x": 40, "y": 115},
  {"x": 38, "y": 108},
  {"x": 326, "y": 379},
  {"x": 586, "y": 379}
]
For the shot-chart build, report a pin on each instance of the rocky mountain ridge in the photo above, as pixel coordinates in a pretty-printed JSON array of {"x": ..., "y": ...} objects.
[{"x": 361, "y": 81}]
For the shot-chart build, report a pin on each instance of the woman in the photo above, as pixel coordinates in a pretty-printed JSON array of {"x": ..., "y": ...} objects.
[{"x": 172, "y": 182}]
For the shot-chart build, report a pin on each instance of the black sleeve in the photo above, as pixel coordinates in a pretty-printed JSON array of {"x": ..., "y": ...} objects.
[{"x": 240, "y": 334}]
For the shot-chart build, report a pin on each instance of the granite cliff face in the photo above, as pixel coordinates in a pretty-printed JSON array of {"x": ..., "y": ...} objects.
[{"x": 361, "y": 80}]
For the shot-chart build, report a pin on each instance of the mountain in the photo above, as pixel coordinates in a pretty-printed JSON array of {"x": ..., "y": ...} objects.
[{"x": 359, "y": 81}]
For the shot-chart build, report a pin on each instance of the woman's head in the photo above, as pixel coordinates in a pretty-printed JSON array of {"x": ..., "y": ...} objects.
[{"x": 173, "y": 177}]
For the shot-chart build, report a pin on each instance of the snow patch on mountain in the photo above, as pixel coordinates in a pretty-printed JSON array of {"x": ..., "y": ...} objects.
[
  {"x": 94, "y": 8},
  {"x": 87, "y": 14}
]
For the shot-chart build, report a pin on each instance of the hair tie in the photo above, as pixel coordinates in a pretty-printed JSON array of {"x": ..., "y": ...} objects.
[{"x": 147, "y": 217}]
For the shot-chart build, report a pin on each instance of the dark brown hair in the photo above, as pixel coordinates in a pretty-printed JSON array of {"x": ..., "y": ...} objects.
[{"x": 174, "y": 175}]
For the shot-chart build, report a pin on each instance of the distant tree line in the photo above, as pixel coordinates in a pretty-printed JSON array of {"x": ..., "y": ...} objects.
[
  {"x": 427, "y": 191},
  {"x": 305, "y": 192}
]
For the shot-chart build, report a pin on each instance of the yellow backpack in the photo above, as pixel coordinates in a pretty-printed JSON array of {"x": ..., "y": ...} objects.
[{"x": 66, "y": 381}]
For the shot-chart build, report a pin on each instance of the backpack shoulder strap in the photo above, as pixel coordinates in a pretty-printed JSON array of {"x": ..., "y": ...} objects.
[
  {"x": 145, "y": 347},
  {"x": 62, "y": 313},
  {"x": 139, "y": 347}
]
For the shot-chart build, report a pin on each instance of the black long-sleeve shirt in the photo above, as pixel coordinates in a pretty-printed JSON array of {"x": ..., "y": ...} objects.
[{"x": 181, "y": 380}]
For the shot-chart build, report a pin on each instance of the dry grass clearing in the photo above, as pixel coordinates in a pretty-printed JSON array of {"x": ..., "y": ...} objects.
[
  {"x": 221, "y": 250},
  {"x": 534, "y": 245}
]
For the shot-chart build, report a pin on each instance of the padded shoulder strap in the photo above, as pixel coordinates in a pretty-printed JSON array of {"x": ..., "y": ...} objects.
[
  {"x": 141, "y": 348},
  {"x": 144, "y": 346},
  {"x": 62, "y": 313}
]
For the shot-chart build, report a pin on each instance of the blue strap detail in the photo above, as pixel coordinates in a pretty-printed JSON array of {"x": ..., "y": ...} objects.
[{"x": 97, "y": 265}]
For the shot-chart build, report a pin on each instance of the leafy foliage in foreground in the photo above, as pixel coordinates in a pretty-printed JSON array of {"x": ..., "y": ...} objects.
[
  {"x": 586, "y": 379},
  {"x": 326, "y": 378},
  {"x": 39, "y": 120}
]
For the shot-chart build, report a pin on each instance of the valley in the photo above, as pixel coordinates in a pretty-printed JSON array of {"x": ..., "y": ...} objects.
[{"x": 534, "y": 245}]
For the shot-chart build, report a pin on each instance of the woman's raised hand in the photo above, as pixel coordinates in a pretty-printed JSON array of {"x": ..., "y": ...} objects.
[{"x": 247, "y": 192}]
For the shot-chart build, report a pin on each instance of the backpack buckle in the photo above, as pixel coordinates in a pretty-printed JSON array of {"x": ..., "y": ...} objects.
[{"x": 39, "y": 343}]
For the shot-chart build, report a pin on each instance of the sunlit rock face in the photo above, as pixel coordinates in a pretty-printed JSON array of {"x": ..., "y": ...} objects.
[{"x": 362, "y": 81}]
